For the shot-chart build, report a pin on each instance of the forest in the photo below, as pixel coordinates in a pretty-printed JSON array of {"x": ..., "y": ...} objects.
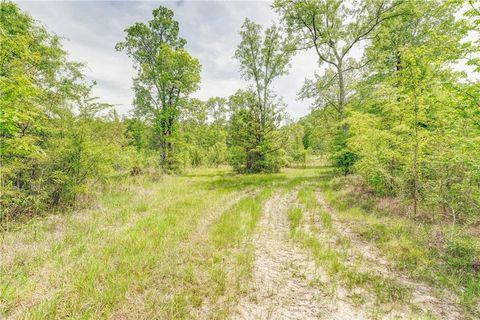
[{"x": 368, "y": 207}]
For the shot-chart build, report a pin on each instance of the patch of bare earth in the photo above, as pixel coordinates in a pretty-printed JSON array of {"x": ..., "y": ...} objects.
[
  {"x": 424, "y": 297},
  {"x": 284, "y": 276}
]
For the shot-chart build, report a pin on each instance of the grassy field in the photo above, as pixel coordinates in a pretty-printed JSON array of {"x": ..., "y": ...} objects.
[{"x": 184, "y": 247}]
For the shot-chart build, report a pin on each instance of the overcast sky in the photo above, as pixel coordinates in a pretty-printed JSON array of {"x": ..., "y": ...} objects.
[{"x": 91, "y": 30}]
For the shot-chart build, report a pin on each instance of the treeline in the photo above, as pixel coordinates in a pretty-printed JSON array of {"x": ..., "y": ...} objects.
[
  {"x": 208, "y": 133},
  {"x": 243, "y": 130}
]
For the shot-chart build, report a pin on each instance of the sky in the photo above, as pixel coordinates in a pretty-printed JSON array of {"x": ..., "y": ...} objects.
[{"x": 90, "y": 31}]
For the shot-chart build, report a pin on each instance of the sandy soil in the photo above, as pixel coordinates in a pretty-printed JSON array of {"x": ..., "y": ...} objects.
[
  {"x": 287, "y": 284},
  {"x": 284, "y": 275}
]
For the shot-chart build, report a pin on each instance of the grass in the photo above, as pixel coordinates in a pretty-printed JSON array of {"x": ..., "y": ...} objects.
[
  {"x": 295, "y": 214},
  {"x": 422, "y": 250},
  {"x": 181, "y": 248},
  {"x": 100, "y": 257},
  {"x": 331, "y": 251},
  {"x": 172, "y": 249}
]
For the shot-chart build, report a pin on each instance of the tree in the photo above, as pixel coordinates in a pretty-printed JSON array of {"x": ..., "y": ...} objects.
[
  {"x": 217, "y": 109},
  {"x": 295, "y": 151},
  {"x": 166, "y": 75},
  {"x": 194, "y": 132},
  {"x": 36, "y": 85},
  {"x": 412, "y": 115},
  {"x": 203, "y": 132},
  {"x": 262, "y": 60},
  {"x": 334, "y": 28},
  {"x": 55, "y": 146},
  {"x": 83, "y": 151},
  {"x": 219, "y": 114}
]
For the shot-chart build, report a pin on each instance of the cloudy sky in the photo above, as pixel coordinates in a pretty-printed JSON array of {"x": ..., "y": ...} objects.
[{"x": 91, "y": 30}]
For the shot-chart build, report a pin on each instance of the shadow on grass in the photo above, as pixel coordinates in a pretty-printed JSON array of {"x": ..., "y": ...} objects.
[
  {"x": 288, "y": 180},
  {"x": 233, "y": 182}
]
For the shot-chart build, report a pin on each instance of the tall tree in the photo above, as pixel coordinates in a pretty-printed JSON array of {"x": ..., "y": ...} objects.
[
  {"x": 263, "y": 58},
  {"x": 217, "y": 110},
  {"x": 166, "y": 75},
  {"x": 333, "y": 28}
]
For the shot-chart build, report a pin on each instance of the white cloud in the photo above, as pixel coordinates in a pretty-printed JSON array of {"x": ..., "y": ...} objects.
[{"x": 91, "y": 30}]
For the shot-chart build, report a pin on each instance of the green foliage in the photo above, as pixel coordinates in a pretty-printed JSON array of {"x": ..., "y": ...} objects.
[
  {"x": 166, "y": 75},
  {"x": 425, "y": 250},
  {"x": 203, "y": 132},
  {"x": 343, "y": 158},
  {"x": 139, "y": 134},
  {"x": 254, "y": 147},
  {"x": 295, "y": 151},
  {"x": 84, "y": 152},
  {"x": 408, "y": 124},
  {"x": 411, "y": 133},
  {"x": 460, "y": 255},
  {"x": 321, "y": 127},
  {"x": 254, "y": 137},
  {"x": 333, "y": 29},
  {"x": 55, "y": 146}
]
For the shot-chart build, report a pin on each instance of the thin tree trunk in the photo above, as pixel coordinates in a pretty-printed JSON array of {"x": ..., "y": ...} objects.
[
  {"x": 452, "y": 233},
  {"x": 342, "y": 98},
  {"x": 163, "y": 151},
  {"x": 415, "y": 158}
]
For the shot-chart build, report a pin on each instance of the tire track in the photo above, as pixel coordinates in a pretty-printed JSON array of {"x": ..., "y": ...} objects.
[{"x": 282, "y": 285}]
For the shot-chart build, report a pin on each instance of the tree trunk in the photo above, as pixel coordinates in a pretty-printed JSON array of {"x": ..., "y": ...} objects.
[
  {"x": 415, "y": 158},
  {"x": 163, "y": 151},
  {"x": 342, "y": 98}
]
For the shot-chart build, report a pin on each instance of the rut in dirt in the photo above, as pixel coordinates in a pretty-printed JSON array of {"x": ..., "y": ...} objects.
[
  {"x": 284, "y": 275},
  {"x": 439, "y": 305}
]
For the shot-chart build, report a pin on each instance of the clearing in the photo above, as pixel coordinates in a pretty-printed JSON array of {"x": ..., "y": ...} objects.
[{"x": 212, "y": 245}]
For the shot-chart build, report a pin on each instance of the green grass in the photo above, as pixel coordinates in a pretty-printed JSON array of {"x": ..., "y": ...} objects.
[
  {"x": 422, "y": 250},
  {"x": 295, "y": 214},
  {"x": 139, "y": 251},
  {"x": 181, "y": 248},
  {"x": 306, "y": 196},
  {"x": 332, "y": 255},
  {"x": 99, "y": 258}
]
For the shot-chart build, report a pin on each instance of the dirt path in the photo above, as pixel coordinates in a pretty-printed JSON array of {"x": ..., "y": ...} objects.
[
  {"x": 282, "y": 285},
  {"x": 286, "y": 284},
  {"x": 196, "y": 248}
]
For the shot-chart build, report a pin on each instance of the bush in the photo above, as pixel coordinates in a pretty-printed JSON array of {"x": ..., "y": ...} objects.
[{"x": 460, "y": 254}]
